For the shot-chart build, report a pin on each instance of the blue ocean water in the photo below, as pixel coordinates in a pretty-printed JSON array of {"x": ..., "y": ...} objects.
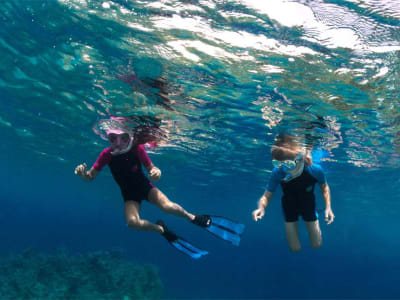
[{"x": 217, "y": 80}]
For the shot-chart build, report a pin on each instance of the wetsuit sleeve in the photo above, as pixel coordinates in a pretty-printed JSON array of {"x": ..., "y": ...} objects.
[
  {"x": 318, "y": 173},
  {"x": 103, "y": 159},
  {"x": 274, "y": 180},
  {"x": 143, "y": 157}
]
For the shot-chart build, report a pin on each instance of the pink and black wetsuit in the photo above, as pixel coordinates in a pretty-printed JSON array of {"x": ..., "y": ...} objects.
[{"x": 127, "y": 171}]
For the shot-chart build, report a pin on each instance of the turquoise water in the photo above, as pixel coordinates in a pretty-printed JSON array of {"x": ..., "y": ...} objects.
[{"x": 217, "y": 81}]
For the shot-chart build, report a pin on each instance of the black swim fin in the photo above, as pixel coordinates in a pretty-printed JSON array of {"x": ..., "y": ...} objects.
[
  {"x": 221, "y": 227},
  {"x": 181, "y": 244}
]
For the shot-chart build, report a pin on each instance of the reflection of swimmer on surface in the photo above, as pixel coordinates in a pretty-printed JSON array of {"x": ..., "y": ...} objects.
[
  {"x": 297, "y": 175},
  {"x": 146, "y": 75},
  {"x": 125, "y": 158},
  {"x": 156, "y": 89}
]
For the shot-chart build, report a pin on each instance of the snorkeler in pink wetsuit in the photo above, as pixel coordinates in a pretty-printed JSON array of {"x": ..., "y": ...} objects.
[
  {"x": 126, "y": 169},
  {"x": 125, "y": 160}
]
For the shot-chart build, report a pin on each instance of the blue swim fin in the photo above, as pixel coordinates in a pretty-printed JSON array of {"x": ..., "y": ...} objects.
[
  {"x": 181, "y": 244},
  {"x": 187, "y": 248},
  {"x": 221, "y": 227}
]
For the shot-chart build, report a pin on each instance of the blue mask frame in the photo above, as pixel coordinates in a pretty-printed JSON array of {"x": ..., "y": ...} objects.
[{"x": 287, "y": 165}]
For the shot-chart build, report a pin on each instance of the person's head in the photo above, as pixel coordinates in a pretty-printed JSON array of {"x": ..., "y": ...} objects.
[
  {"x": 120, "y": 140},
  {"x": 288, "y": 155},
  {"x": 288, "y": 160},
  {"x": 288, "y": 147}
]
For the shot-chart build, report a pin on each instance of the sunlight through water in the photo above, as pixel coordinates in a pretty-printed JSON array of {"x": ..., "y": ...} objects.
[{"x": 221, "y": 77}]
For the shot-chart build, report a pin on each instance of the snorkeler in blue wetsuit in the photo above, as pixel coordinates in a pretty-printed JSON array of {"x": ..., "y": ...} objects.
[{"x": 297, "y": 175}]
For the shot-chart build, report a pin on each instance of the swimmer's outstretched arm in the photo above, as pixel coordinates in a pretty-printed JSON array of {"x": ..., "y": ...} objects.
[
  {"x": 326, "y": 194},
  {"x": 259, "y": 213},
  {"x": 154, "y": 172},
  {"x": 84, "y": 174}
]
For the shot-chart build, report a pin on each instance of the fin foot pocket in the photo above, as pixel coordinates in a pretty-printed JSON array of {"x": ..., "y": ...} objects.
[
  {"x": 181, "y": 244},
  {"x": 202, "y": 220}
]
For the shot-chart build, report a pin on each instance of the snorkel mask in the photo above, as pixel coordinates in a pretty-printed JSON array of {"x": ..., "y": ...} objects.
[
  {"x": 120, "y": 140},
  {"x": 293, "y": 168}
]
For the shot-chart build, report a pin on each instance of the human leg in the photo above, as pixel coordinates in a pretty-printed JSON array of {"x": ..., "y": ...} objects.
[
  {"x": 224, "y": 228},
  {"x": 134, "y": 221},
  {"x": 292, "y": 236},
  {"x": 314, "y": 233},
  {"x": 157, "y": 198},
  {"x": 310, "y": 218}
]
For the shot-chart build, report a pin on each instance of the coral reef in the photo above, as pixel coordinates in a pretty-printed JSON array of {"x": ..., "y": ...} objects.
[{"x": 98, "y": 275}]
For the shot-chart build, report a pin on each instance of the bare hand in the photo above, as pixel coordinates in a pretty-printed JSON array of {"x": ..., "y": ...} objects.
[
  {"x": 81, "y": 170},
  {"x": 155, "y": 174},
  {"x": 329, "y": 216},
  {"x": 258, "y": 214}
]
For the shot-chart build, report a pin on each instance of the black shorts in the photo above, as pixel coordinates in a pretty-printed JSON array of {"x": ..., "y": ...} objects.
[
  {"x": 137, "y": 192},
  {"x": 304, "y": 207}
]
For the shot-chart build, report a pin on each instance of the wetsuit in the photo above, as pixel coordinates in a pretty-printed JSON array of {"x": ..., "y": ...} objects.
[
  {"x": 298, "y": 197},
  {"x": 127, "y": 171}
]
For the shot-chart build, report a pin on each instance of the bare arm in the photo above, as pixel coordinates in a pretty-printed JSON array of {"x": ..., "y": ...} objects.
[
  {"x": 84, "y": 174},
  {"x": 264, "y": 200},
  {"x": 262, "y": 205},
  {"x": 149, "y": 167},
  {"x": 326, "y": 194},
  {"x": 154, "y": 172}
]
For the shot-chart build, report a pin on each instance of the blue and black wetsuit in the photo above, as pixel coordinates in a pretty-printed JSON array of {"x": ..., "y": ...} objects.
[{"x": 298, "y": 197}]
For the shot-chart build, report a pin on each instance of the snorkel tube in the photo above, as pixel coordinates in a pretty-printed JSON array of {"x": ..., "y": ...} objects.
[{"x": 296, "y": 171}]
